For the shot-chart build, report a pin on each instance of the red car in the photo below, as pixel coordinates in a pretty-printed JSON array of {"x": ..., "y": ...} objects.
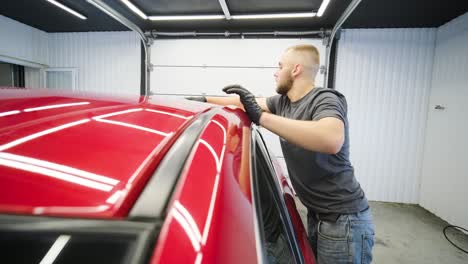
[{"x": 91, "y": 179}]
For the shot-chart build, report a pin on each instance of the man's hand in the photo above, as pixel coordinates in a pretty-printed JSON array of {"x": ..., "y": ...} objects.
[
  {"x": 197, "y": 98},
  {"x": 252, "y": 109}
]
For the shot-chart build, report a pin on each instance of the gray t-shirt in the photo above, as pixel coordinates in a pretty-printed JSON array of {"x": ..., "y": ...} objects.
[{"x": 325, "y": 183}]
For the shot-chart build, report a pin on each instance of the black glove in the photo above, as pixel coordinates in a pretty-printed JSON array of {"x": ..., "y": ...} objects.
[
  {"x": 248, "y": 100},
  {"x": 196, "y": 98}
]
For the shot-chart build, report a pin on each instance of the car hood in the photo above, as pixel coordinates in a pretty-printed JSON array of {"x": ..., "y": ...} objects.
[{"x": 81, "y": 155}]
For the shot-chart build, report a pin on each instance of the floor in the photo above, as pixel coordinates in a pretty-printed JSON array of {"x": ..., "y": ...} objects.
[{"x": 411, "y": 234}]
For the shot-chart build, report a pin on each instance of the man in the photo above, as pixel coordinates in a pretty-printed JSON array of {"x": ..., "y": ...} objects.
[{"x": 313, "y": 127}]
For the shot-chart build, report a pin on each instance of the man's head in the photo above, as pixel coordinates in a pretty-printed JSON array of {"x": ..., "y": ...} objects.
[{"x": 300, "y": 62}]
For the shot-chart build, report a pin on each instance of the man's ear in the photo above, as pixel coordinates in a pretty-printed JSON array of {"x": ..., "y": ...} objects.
[{"x": 297, "y": 70}]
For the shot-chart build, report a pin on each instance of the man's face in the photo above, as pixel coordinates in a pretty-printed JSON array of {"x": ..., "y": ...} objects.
[{"x": 283, "y": 77}]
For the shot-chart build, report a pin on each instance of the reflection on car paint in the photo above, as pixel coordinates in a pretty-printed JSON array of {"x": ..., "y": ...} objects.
[
  {"x": 42, "y": 133},
  {"x": 53, "y": 106}
]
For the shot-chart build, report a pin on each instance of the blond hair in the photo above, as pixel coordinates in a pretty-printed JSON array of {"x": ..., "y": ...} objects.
[
  {"x": 308, "y": 55},
  {"x": 307, "y": 50}
]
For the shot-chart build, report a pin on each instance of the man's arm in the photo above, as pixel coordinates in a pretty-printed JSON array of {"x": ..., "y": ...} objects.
[
  {"x": 261, "y": 101},
  {"x": 325, "y": 135}
]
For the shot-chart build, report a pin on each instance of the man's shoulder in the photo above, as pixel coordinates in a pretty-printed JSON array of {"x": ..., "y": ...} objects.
[
  {"x": 327, "y": 95},
  {"x": 324, "y": 92}
]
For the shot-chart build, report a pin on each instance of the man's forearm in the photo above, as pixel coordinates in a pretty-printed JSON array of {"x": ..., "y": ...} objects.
[
  {"x": 326, "y": 135},
  {"x": 224, "y": 101}
]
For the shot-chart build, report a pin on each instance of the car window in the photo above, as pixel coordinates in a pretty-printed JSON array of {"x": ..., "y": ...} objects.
[
  {"x": 64, "y": 248},
  {"x": 44, "y": 240},
  {"x": 276, "y": 243}
]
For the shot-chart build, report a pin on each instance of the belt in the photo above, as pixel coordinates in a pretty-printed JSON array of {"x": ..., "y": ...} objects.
[{"x": 332, "y": 217}]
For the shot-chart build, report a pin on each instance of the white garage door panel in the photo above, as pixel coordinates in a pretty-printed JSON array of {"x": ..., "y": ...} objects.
[
  {"x": 225, "y": 52},
  {"x": 205, "y": 66},
  {"x": 210, "y": 81}
]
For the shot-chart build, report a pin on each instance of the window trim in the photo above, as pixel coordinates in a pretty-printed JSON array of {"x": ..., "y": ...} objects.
[
  {"x": 144, "y": 233},
  {"x": 279, "y": 199}
]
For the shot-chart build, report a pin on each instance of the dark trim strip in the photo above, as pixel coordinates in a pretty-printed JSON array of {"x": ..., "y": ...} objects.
[
  {"x": 279, "y": 199},
  {"x": 152, "y": 203},
  {"x": 142, "y": 70},
  {"x": 332, "y": 65}
]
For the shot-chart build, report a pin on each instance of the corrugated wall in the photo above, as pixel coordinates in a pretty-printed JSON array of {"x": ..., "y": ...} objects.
[
  {"x": 22, "y": 42},
  {"x": 386, "y": 77},
  {"x": 445, "y": 168},
  {"x": 106, "y": 62}
]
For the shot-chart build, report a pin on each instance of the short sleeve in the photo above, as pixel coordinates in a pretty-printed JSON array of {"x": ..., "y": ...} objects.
[
  {"x": 272, "y": 103},
  {"x": 330, "y": 105}
]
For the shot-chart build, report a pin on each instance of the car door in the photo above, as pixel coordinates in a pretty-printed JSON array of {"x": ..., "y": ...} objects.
[{"x": 283, "y": 237}]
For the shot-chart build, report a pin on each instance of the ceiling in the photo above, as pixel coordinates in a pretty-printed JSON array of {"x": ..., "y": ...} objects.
[{"x": 369, "y": 14}]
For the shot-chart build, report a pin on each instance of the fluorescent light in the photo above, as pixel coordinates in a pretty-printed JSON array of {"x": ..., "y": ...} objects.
[
  {"x": 266, "y": 16},
  {"x": 69, "y": 10},
  {"x": 196, "y": 17},
  {"x": 135, "y": 9},
  {"x": 322, "y": 8}
]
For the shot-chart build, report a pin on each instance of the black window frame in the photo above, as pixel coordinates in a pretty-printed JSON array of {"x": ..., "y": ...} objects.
[
  {"x": 288, "y": 229},
  {"x": 140, "y": 233}
]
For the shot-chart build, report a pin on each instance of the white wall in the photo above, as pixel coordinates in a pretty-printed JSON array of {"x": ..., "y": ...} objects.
[
  {"x": 105, "y": 62},
  {"x": 385, "y": 75},
  {"x": 445, "y": 168},
  {"x": 22, "y": 44}
]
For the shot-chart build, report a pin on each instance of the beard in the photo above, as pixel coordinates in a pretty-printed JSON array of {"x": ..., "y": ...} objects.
[{"x": 284, "y": 87}]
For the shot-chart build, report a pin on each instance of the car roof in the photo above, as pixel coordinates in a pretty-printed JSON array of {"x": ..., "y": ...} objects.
[{"x": 76, "y": 154}]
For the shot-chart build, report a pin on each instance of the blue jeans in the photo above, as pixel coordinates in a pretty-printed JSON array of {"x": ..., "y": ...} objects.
[{"x": 348, "y": 240}]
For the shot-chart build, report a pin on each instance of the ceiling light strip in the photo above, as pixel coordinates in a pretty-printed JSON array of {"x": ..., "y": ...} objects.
[
  {"x": 135, "y": 9},
  {"x": 267, "y": 16},
  {"x": 322, "y": 8},
  {"x": 66, "y": 8},
  {"x": 194, "y": 17}
]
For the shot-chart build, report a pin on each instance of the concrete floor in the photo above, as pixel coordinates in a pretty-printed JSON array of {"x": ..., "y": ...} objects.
[{"x": 411, "y": 234}]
